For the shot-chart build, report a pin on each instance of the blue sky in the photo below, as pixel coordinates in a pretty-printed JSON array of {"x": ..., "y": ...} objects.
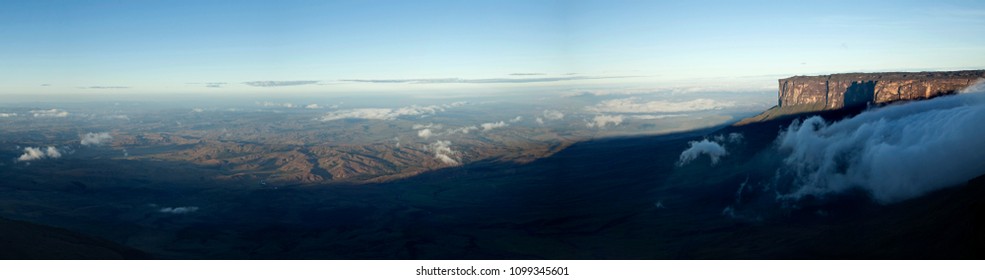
[{"x": 134, "y": 47}]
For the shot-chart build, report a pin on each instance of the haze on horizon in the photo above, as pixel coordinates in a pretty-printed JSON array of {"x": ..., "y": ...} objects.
[{"x": 470, "y": 47}]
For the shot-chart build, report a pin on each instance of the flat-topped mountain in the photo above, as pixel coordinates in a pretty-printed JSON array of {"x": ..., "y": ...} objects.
[{"x": 803, "y": 94}]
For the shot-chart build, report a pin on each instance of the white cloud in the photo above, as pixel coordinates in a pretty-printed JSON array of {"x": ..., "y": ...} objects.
[
  {"x": 387, "y": 113},
  {"x": 462, "y": 130},
  {"x": 539, "y": 120},
  {"x": 895, "y": 152},
  {"x": 633, "y": 105},
  {"x": 7, "y": 115},
  {"x": 517, "y": 119},
  {"x": 91, "y": 139},
  {"x": 490, "y": 126},
  {"x": 601, "y": 121},
  {"x": 429, "y": 125},
  {"x": 198, "y": 110},
  {"x": 179, "y": 210},
  {"x": 55, "y": 113},
  {"x": 313, "y": 106},
  {"x": 553, "y": 115},
  {"x": 32, "y": 153},
  {"x": 704, "y": 147},
  {"x": 275, "y": 104},
  {"x": 443, "y": 152},
  {"x": 656, "y": 117},
  {"x": 424, "y": 133}
]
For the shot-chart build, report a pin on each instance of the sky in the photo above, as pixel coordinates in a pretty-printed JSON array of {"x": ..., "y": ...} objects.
[{"x": 333, "y": 47}]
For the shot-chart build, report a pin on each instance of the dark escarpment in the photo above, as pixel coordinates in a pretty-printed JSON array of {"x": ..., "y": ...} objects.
[{"x": 805, "y": 94}]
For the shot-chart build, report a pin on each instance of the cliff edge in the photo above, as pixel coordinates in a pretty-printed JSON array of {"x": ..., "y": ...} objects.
[{"x": 805, "y": 94}]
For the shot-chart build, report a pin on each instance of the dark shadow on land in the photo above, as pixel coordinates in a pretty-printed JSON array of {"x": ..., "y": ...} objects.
[{"x": 618, "y": 198}]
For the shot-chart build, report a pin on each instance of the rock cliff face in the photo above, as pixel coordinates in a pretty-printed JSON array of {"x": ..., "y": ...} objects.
[
  {"x": 842, "y": 90},
  {"x": 802, "y": 94}
]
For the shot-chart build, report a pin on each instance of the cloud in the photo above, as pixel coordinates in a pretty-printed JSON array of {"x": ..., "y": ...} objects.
[
  {"x": 210, "y": 84},
  {"x": 656, "y": 117},
  {"x": 553, "y": 115},
  {"x": 462, "y": 130},
  {"x": 443, "y": 152},
  {"x": 429, "y": 125},
  {"x": 387, "y": 113},
  {"x": 7, "y": 115},
  {"x": 32, "y": 153},
  {"x": 480, "y": 81},
  {"x": 313, "y": 106},
  {"x": 424, "y": 133},
  {"x": 490, "y": 125},
  {"x": 632, "y": 105},
  {"x": 895, "y": 152},
  {"x": 517, "y": 119},
  {"x": 704, "y": 147},
  {"x": 276, "y": 104},
  {"x": 279, "y": 83},
  {"x": 95, "y": 139},
  {"x": 198, "y": 110},
  {"x": 178, "y": 210},
  {"x": 601, "y": 121},
  {"x": 105, "y": 87},
  {"x": 54, "y": 113},
  {"x": 527, "y": 74},
  {"x": 46, "y": 85}
]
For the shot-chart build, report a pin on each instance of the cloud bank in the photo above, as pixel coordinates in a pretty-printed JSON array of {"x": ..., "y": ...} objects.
[
  {"x": 387, "y": 113},
  {"x": 895, "y": 152},
  {"x": 633, "y": 105},
  {"x": 95, "y": 139},
  {"x": 7, "y": 115},
  {"x": 714, "y": 151}
]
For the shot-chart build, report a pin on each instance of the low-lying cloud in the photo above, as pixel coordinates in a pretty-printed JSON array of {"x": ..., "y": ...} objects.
[
  {"x": 443, "y": 152},
  {"x": 601, "y": 121},
  {"x": 424, "y": 133},
  {"x": 895, "y": 152},
  {"x": 276, "y": 104},
  {"x": 50, "y": 113},
  {"x": 549, "y": 115},
  {"x": 634, "y": 105},
  {"x": 179, "y": 210},
  {"x": 712, "y": 149},
  {"x": 387, "y": 113},
  {"x": 493, "y": 125},
  {"x": 8, "y": 115},
  {"x": 32, "y": 153},
  {"x": 95, "y": 139}
]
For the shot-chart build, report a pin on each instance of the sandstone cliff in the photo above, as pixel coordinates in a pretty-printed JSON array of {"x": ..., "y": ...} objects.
[{"x": 802, "y": 94}]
